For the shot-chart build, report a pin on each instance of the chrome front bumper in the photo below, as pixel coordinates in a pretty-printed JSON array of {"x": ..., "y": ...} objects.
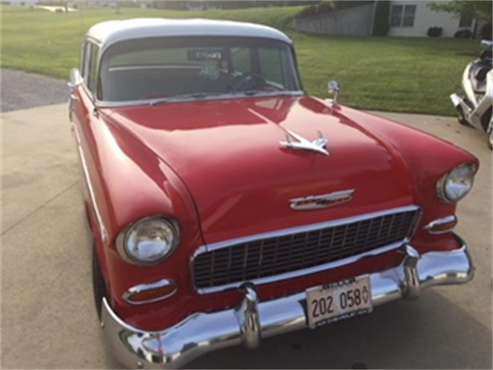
[{"x": 252, "y": 320}]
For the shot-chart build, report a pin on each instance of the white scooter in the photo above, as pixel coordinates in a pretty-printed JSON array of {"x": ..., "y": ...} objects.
[{"x": 475, "y": 106}]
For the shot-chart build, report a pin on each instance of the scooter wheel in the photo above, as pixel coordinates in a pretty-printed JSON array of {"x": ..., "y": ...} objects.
[{"x": 461, "y": 118}]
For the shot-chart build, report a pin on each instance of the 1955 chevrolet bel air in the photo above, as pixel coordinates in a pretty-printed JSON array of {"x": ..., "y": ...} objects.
[{"x": 228, "y": 206}]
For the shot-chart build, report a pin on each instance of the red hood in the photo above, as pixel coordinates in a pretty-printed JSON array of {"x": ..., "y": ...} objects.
[{"x": 228, "y": 155}]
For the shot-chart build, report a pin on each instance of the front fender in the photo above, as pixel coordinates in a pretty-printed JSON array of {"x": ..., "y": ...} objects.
[
  {"x": 428, "y": 159},
  {"x": 129, "y": 182}
]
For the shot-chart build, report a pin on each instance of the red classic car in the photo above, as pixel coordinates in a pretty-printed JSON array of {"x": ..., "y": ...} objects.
[{"x": 228, "y": 206}]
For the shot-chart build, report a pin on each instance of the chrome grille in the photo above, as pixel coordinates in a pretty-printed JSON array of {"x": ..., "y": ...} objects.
[{"x": 259, "y": 259}]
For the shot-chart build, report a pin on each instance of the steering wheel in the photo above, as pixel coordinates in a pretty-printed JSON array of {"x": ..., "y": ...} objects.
[{"x": 247, "y": 82}]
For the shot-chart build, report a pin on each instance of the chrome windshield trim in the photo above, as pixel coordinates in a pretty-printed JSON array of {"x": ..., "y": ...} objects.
[
  {"x": 131, "y": 103},
  {"x": 302, "y": 272},
  {"x": 137, "y": 67}
]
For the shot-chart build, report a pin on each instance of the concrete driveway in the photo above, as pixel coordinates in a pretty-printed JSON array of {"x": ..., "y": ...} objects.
[{"x": 48, "y": 319}]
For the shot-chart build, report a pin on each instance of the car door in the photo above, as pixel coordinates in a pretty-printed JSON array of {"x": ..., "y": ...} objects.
[{"x": 84, "y": 118}]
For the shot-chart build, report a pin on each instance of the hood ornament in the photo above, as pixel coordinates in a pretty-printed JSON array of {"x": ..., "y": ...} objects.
[
  {"x": 297, "y": 142},
  {"x": 321, "y": 201}
]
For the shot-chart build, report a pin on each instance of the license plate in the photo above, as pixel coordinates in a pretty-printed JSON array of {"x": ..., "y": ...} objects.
[{"x": 338, "y": 301}]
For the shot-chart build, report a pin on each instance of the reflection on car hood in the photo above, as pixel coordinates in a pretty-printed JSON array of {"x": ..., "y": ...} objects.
[{"x": 228, "y": 154}]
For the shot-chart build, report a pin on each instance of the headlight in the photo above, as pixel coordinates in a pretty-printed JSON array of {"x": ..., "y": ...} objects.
[
  {"x": 456, "y": 184},
  {"x": 148, "y": 241}
]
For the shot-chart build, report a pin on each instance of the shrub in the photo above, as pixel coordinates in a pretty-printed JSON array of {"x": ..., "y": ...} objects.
[
  {"x": 463, "y": 33},
  {"x": 435, "y": 31}
]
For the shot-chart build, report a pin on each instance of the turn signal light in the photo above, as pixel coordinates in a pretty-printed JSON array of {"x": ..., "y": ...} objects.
[
  {"x": 149, "y": 293},
  {"x": 442, "y": 225}
]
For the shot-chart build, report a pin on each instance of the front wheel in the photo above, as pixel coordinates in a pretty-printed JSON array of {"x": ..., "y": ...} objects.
[
  {"x": 490, "y": 140},
  {"x": 461, "y": 117}
]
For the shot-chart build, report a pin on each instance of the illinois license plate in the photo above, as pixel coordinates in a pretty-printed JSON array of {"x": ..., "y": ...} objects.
[{"x": 338, "y": 301}]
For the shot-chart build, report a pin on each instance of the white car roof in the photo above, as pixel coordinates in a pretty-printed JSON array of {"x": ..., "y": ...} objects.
[{"x": 110, "y": 32}]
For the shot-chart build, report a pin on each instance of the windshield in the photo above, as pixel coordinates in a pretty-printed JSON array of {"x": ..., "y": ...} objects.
[{"x": 196, "y": 67}]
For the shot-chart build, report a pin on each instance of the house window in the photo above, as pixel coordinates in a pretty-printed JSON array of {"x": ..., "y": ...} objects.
[
  {"x": 396, "y": 15},
  {"x": 402, "y": 15},
  {"x": 409, "y": 13}
]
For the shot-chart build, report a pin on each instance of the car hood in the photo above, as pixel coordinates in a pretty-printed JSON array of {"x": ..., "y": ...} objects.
[{"x": 228, "y": 154}]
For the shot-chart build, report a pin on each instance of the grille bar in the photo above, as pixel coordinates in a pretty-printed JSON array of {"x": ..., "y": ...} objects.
[{"x": 302, "y": 250}]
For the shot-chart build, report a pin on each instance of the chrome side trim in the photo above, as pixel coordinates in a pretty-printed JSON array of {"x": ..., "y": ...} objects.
[
  {"x": 253, "y": 319},
  {"x": 127, "y": 296},
  {"x": 88, "y": 181},
  {"x": 294, "y": 230},
  {"x": 439, "y": 222}
]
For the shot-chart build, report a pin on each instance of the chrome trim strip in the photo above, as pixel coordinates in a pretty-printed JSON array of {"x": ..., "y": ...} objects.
[
  {"x": 321, "y": 201},
  {"x": 439, "y": 222},
  {"x": 253, "y": 319},
  {"x": 127, "y": 296},
  {"x": 294, "y": 230},
  {"x": 87, "y": 180},
  {"x": 311, "y": 227},
  {"x": 164, "y": 66},
  {"x": 130, "y": 103}
]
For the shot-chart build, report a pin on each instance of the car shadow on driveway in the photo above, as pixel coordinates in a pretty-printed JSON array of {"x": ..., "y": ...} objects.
[{"x": 430, "y": 332}]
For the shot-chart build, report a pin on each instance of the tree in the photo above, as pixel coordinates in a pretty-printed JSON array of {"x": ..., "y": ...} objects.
[{"x": 480, "y": 8}]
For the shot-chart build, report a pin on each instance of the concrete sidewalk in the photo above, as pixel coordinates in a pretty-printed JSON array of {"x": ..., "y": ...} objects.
[{"x": 48, "y": 318}]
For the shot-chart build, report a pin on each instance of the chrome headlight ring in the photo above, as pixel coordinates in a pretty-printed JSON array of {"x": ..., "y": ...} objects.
[
  {"x": 456, "y": 184},
  {"x": 149, "y": 240}
]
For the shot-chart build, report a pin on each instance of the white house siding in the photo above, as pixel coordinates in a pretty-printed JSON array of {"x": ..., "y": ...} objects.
[
  {"x": 357, "y": 21},
  {"x": 23, "y": 2},
  {"x": 425, "y": 18}
]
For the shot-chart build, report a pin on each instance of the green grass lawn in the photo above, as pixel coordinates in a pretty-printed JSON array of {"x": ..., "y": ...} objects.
[{"x": 390, "y": 74}]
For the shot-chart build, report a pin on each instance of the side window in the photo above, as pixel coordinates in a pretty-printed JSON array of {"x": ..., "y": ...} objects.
[
  {"x": 241, "y": 60},
  {"x": 92, "y": 77},
  {"x": 82, "y": 56},
  {"x": 271, "y": 64},
  {"x": 85, "y": 61}
]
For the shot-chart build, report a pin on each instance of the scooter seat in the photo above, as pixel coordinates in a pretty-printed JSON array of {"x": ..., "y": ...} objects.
[{"x": 478, "y": 76}]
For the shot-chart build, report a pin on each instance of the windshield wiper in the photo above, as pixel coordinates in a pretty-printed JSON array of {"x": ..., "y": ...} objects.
[
  {"x": 251, "y": 92},
  {"x": 175, "y": 98}
]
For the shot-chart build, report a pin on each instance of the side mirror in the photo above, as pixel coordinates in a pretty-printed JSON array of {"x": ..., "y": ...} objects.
[
  {"x": 334, "y": 88},
  {"x": 75, "y": 79}
]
